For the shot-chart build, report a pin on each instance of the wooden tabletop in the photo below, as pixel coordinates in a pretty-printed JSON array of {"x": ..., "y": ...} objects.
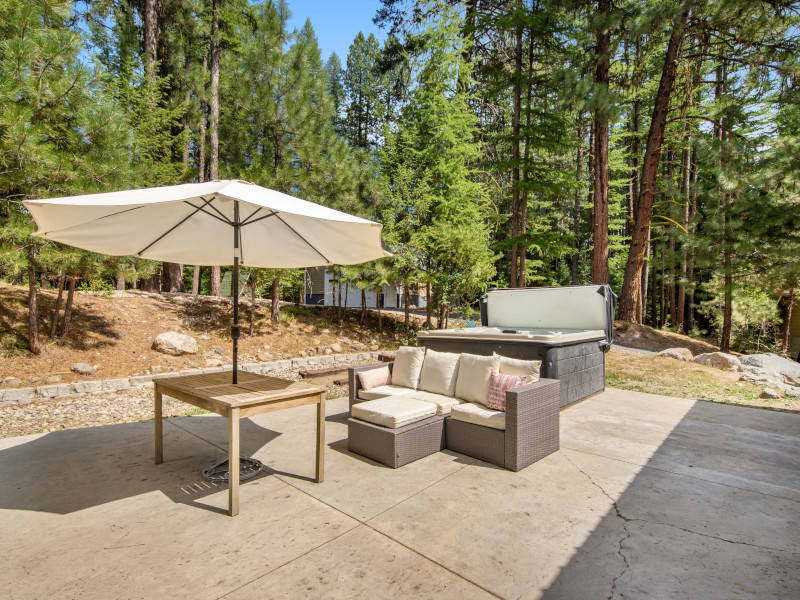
[{"x": 251, "y": 388}]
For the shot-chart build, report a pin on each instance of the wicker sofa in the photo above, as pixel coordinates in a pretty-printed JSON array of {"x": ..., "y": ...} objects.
[{"x": 530, "y": 431}]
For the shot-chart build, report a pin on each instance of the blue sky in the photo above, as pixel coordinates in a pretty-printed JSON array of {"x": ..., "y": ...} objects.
[{"x": 336, "y": 23}]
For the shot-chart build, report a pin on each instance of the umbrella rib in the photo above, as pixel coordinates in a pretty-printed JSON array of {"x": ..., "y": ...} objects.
[
  {"x": 202, "y": 210},
  {"x": 218, "y": 211},
  {"x": 173, "y": 228},
  {"x": 272, "y": 214},
  {"x": 258, "y": 210},
  {"x": 310, "y": 245},
  {"x": 119, "y": 212}
]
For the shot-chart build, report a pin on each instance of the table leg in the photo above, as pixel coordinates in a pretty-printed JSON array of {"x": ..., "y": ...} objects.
[
  {"x": 233, "y": 463},
  {"x": 159, "y": 428},
  {"x": 321, "y": 439}
]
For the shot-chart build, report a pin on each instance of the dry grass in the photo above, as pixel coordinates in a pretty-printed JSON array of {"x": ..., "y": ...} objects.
[{"x": 669, "y": 377}]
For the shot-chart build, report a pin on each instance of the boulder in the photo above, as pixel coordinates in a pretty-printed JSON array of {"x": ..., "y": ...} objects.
[
  {"x": 374, "y": 347},
  {"x": 174, "y": 343},
  {"x": 770, "y": 394},
  {"x": 358, "y": 346},
  {"x": 13, "y": 382},
  {"x": 720, "y": 360},
  {"x": 262, "y": 356},
  {"x": 213, "y": 362},
  {"x": 54, "y": 379},
  {"x": 677, "y": 353},
  {"x": 83, "y": 369},
  {"x": 792, "y": 392},
  {"x": 762, "y": 376},
  {"x": 337, "y": 347},
  {"x": 773, "y": 362}
]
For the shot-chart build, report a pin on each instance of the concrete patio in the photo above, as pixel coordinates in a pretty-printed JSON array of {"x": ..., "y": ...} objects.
[{"x": 649, "y": 496}]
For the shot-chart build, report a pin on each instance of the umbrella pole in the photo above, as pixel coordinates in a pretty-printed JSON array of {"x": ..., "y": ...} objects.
[{"x": 235, "y": 329}]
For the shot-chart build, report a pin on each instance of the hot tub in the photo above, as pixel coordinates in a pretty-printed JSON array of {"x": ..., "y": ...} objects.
[{"x": 567, "y": 328}]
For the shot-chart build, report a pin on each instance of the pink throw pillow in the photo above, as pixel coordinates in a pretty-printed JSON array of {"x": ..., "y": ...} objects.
[
  {"x": 374, "y": 378},
  {"x": 498, "y": 386}
]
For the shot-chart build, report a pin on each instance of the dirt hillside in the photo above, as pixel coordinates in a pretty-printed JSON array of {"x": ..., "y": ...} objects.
[
  {"x": 633, "y": 335},
  {"x": 116, "y": 333}
]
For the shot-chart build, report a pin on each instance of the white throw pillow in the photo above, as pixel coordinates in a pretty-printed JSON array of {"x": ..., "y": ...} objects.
[
  {"x": 514, "y": 366},
  {"x": 439, "y": 372},
  {"x": 407, "y": 366},
  {"x": 474, "y": 377}
]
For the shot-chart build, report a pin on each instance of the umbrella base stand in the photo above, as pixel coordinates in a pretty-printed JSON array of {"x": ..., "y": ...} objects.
[{"x": 219, "y": 473}]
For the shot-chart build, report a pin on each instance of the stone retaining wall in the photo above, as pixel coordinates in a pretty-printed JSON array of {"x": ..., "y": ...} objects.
[{"x": 60, "y": 390}]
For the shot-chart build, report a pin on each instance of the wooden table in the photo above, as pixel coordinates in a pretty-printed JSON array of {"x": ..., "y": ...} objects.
[{"x": 252, "y": 395}]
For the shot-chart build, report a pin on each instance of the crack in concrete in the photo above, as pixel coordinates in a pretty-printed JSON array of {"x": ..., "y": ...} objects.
[{"x": 625, "y": 520}]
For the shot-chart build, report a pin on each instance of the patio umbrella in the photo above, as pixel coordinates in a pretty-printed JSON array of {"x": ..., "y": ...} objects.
[{"x": 215, "y": 223}]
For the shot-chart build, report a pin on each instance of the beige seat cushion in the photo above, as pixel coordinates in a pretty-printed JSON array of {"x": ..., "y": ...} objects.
[
  {"x": 514, "y": 366},
  {"x": 407, "y": 366},
  {"x": 439, "y": 372},
  {"x": 479, "y": 415},
  {"x": 384, "y": 390},
  {"x": 393, "y": 411},
  {"x": 474, "y": 377},
  {"x": 443, "y": 403}
]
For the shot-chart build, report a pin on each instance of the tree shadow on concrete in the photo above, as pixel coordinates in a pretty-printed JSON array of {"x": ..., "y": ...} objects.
[{"x": 711, "y": 514}]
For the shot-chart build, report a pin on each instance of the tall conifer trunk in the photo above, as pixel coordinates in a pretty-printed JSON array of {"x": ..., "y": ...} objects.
[
  {"x": 276, "y": 299},
  {"x": 632, "y": 284},
  {"x": 600, "y": 210},
  {"x": 213, "y": 124},
  {"x": 576, "y": 208},
  {"x": 57, "y": 309},
  {"x": 515, "y": 122},
  {"x": 33, "y": 301}
]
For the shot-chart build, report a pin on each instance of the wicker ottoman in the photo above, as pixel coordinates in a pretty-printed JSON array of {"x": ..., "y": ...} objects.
[{"x": 396, "y": 447}]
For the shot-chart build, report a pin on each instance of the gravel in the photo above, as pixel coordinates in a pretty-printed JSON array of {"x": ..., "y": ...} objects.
[{"x": 110, "y": 406}]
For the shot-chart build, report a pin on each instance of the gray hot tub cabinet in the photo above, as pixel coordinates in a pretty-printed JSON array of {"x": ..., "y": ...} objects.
[{"x": 568, "y": 328}]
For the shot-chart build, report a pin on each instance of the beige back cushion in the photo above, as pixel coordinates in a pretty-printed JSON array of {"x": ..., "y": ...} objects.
[
  {"x": 407, "y": 366},
  {"x": 439, "y": 372},
  {"x": 514, "y": 366},
  {"x": 474, "y": 377}
]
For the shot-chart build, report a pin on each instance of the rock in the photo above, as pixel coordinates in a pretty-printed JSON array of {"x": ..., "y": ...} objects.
[
  {"x": 328, "y": 351},
  {"x": 204, "y": 336},
  {"x": 213, "y": 362},
  {"x": 763, "y": 377},
  {"x": 264, "y": 356},
  {"x": 310, "y": 351},
  {"x": 793, "y": 380},
  {"x": 770, "y": 394},
  {"x": 358, "y": 346},
  {"x": 54, "y": 379},
  {"x": 374, "y": 347},
  {"x": 677, "y": 353},
  {"x": 326, "y": 331},
  {"x": 83, "y": 369},
  {"x": 337, "y": 347},
  {"x": 194, "y": 364},
  {"x": 720, "y": 360},
  {"x": 13, "y": 382},
  {"x": 344, "y": 340},
  {"x": 792, "y": 392},
  {"x": 174, "y": 343},
  {"x": 156, "y": 368},
  {"x": 773, "y": 362},
  {"x": 303, "y": 353},
  {"x": 34, "y": 379}
]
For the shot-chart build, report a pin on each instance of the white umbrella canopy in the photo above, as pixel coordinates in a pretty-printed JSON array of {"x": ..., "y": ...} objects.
[
  {"x": 215, "y": 223},
  {"x": 193, "y": 223}
]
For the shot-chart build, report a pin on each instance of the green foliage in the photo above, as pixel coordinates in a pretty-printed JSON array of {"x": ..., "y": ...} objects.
[{"x": 97, "y": 287}]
